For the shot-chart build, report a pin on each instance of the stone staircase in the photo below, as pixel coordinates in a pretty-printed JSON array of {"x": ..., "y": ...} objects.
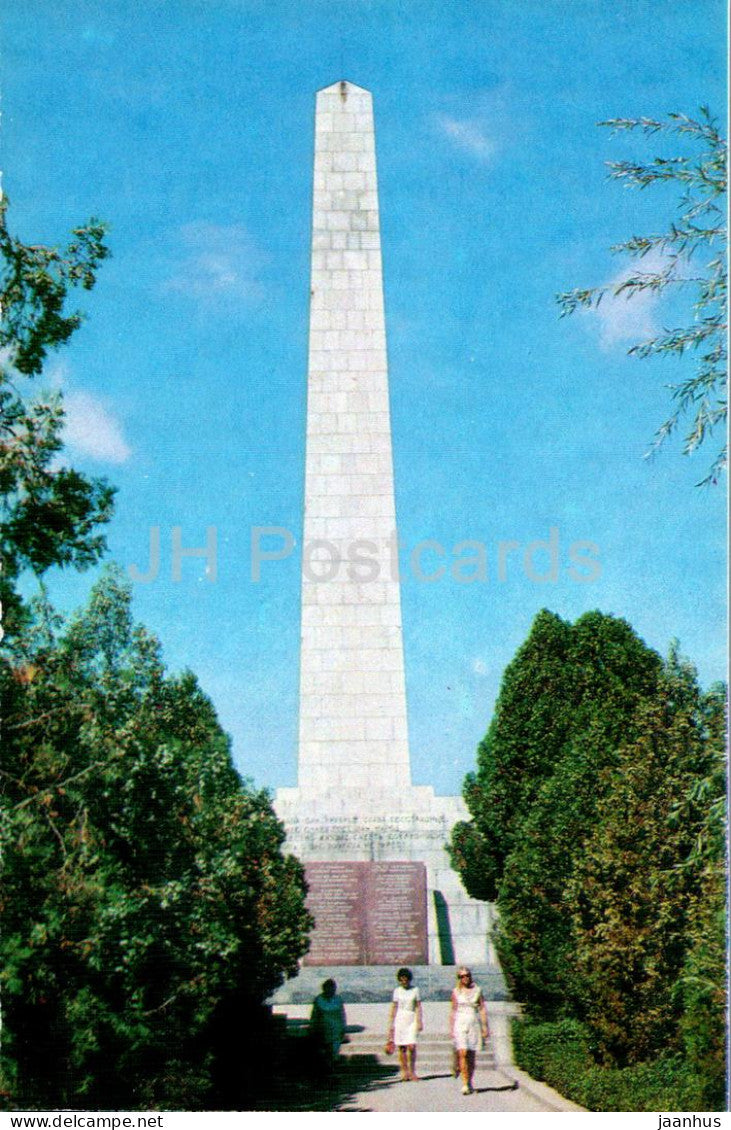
[
  {"x": 363, "y": 1061},
  {"x": 434, "y": 1053},
  {"x": 375, "y": 983},
  {"x": 366, "y": 1079}
]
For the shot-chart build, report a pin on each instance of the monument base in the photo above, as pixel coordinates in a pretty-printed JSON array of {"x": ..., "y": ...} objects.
[
  {"x": 415, "y": 830},
  {"x": 374, "y": 984}
]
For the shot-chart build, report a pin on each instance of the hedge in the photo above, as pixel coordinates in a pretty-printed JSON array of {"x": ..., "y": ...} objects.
[{"x": 559, "y": 1054}]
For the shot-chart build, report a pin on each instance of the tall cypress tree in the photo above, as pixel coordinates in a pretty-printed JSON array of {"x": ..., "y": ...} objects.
[
  {"x": 567, "y": 701},
  {"x": 597, "y": 824}
]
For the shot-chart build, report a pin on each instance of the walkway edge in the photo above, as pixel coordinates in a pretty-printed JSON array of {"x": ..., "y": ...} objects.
[
  {"x": 539, "y": 1091},
  {"x": 503, "y": 1045}
]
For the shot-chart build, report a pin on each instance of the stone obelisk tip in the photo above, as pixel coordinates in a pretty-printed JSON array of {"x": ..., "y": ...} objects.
[{"x": 343, "y": 86}]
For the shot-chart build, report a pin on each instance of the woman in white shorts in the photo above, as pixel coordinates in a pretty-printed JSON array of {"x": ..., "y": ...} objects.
[{"x": 468, "y": 1024}]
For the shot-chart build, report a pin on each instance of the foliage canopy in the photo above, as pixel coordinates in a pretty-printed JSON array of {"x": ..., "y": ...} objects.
[{"x": 146, "y": 893}]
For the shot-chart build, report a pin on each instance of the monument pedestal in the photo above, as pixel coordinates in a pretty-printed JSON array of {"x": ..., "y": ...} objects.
[
  {"x": 417, "y": 832},
  {"x": 374, "y": 984}
]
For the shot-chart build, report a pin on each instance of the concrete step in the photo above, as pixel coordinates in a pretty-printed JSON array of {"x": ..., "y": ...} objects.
[
  {"x": 435, "y": 1061},
  {"x": 375, "y": 983}
]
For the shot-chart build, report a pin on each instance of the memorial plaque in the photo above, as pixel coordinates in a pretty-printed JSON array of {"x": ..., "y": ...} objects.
[
  {"x": 335, "y": 899},
  {"x": 367, "y": 913},
  {"x": 396, "y": 913}
]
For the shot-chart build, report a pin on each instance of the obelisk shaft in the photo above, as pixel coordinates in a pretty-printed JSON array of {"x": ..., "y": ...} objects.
[{"x": 353, "y": 741}]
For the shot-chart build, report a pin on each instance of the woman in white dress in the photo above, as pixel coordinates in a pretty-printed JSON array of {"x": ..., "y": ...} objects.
[
  {"x": 405, "y": 1020},
  {"x": 468, "y": 1024}
]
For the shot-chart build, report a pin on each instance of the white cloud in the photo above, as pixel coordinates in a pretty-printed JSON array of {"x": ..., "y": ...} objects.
[
  {"x": 91, "y": 429},
  {"x": 631, "y": 316},
  {"x": 468, "y": 134},
  {"x": 479, "y": 666},
  {"x": 220, "y": 260}
]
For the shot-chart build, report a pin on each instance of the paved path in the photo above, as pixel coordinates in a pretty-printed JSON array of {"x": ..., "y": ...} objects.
[
  {"x": 493, "y": 1091},
  {"x": 368, "y": 1080}
]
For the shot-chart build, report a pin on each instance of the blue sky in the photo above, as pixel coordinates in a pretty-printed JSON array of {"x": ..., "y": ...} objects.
[{"x": 187, "y": 126}]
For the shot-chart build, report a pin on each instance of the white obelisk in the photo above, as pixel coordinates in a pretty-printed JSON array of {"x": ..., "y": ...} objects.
[
  {"x": 354, "y": 800},
  {"x": 353, "y": 740}
]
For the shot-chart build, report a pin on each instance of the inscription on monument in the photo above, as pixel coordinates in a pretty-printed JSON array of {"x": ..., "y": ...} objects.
[
  {"x": 367, "y": 913},
  {"x": 335, "y": 899}
]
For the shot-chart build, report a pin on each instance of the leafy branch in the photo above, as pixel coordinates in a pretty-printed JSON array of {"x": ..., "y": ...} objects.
[
  {"x": 34, "y": 283},
  {"x": 49, "y": 514},
  {"x": 697, "y": 240}
]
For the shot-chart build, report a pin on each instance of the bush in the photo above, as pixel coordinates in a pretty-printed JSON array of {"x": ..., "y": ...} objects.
[{"x": 560, "y": 1055}]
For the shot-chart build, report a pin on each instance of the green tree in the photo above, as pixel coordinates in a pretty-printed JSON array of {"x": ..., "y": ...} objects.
[
  {"x": 147, "y": 905},
  {"x": 692, "y": 259},
  {"x": 560, "y": 679},
  {"x": 633, "y": 890},
  {"x": 598, "y": 820},
  {"x": 566, "y": 702},
  {"x": 517, "y": 753},
  {"x": 49, "y": 514}
]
